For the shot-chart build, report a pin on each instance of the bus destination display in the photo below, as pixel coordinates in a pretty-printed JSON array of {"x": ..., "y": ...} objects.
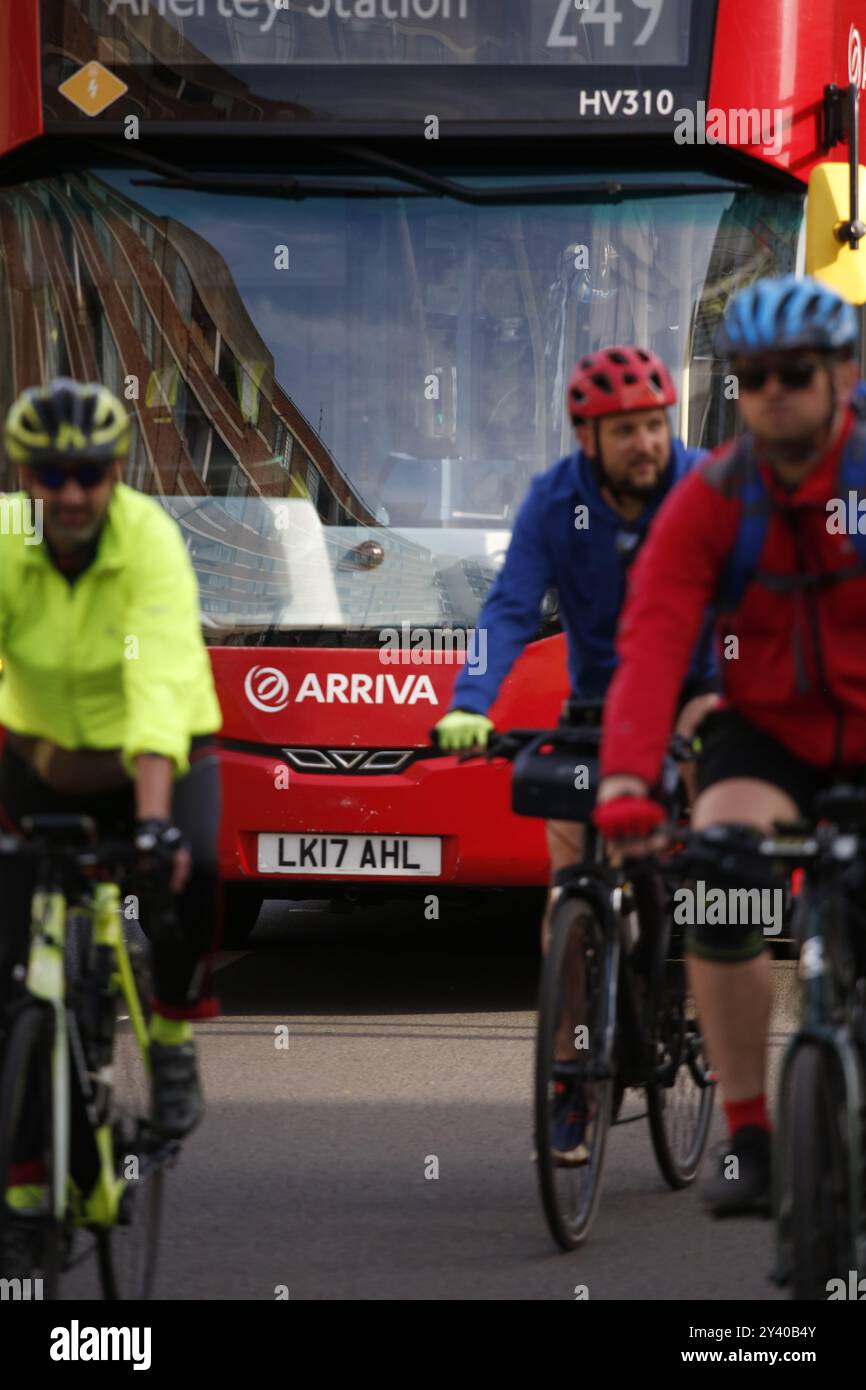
[{"x": 616, "y": 33}]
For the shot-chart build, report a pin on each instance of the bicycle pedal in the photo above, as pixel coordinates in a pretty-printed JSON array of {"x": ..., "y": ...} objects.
[{"x": 154, "y": 1149}]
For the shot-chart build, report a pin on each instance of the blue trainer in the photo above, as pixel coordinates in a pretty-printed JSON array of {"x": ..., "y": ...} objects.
[{"x": 571, "y": 1124}]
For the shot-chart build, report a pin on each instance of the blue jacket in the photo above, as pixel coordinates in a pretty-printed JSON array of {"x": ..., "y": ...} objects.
[{"x": 582, "y": 555}]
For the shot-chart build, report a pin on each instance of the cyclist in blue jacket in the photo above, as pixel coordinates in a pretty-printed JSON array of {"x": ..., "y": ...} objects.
[{"x": 578, "y": 530}]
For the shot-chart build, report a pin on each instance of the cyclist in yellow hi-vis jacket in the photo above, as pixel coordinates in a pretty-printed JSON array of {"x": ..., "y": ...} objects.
[{"x": 107, "y": 699}]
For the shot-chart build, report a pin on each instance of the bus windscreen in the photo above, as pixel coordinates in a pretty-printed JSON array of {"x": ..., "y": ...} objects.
[{"x": 345, "y": 399}]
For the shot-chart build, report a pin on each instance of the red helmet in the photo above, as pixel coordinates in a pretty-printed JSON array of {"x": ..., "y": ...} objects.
[{"x": 616, "y": 380}]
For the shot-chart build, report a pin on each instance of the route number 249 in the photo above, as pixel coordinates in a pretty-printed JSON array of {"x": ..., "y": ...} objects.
[{"x": 603, "y": 12}]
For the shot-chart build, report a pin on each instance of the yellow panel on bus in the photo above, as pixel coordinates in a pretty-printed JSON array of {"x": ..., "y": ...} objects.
[{"x": 829, "y": 205}]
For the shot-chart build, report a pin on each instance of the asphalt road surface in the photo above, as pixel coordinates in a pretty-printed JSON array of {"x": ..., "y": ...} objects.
[{"x": 354, "y": 1050}]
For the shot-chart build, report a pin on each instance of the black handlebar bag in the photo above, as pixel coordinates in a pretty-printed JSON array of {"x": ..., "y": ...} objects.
[{"x": 556, "y": 776}]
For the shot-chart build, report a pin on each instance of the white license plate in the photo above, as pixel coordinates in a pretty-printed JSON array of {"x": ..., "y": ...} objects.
[{"x": 395, "y": 856}]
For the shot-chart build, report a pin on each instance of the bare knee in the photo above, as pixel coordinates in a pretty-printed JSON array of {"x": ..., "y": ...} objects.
[{"x": 742, "y": 801}]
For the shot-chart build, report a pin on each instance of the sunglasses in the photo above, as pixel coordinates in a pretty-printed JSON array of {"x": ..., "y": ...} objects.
[
  {"x": 53, "y": 475},
  {"x": 794, "y": 376}
]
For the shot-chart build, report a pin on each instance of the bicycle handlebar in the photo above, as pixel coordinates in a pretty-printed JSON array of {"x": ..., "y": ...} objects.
[
  {"x": 104, "y": 853},
  {"x": 509, "y": 742},
  {"x": 745, "y": 851}
]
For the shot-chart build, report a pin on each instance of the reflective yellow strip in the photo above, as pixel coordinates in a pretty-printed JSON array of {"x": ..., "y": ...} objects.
[
  {"x": 69, "y": 437},
  {"x": 33, "y": 437},
  {"x": 115, "y": 430},
  {"x": 100, "y": 1207},
  {"x": 27, "y": 1196},
  {"x": 24, "y": 425}
]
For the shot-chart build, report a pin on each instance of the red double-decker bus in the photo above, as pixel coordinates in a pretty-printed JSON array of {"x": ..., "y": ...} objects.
[{"x": 338, "y": 256}]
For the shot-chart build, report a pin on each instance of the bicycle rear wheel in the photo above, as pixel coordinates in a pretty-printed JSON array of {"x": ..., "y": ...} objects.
[
  {"x": 31, "y": 1239},
  {"x": 680, "y": 1088},
  {"x": 128, "y": 1251},
  {"x": 816, "y": 1190},
  {"x": 573, "y": 1097}
]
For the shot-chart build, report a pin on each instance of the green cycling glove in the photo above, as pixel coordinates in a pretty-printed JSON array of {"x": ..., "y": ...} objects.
[{"x": 461, "y": 729}]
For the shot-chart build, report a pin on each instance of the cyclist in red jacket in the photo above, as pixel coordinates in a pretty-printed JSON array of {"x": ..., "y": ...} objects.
[{"x": 792, "y": 648}]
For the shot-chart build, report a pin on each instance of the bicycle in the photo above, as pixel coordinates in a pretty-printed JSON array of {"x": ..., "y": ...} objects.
[
  {"x": 75, "y": 1061},
  {"x": 819, "y": 1170},
  {"x": 591, "y": 1000}
]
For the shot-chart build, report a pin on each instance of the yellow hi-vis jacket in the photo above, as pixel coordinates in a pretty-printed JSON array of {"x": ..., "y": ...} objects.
[{"x": 116, "y": 659}]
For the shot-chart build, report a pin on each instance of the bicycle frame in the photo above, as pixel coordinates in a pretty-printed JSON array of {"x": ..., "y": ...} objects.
[{"x": 46, "y": 980}]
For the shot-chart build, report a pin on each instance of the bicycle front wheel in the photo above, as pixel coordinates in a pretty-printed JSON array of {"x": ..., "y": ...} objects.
[
  {"x": 573, "y": 1087},
  {"x": 31, "y": 1238},
  {"x": 816, "y": 1192},
  {"x": 128, "y": 1250}
]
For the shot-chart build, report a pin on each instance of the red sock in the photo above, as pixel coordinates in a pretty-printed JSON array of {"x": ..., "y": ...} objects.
[
  {"x": 740, "y": 1113},
  {"x": 30, "y": 1171}
]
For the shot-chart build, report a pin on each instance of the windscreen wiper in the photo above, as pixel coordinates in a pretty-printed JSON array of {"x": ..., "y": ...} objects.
[
  {"x": 421, "y": 184},
  {"x": 444, "y": 187}
]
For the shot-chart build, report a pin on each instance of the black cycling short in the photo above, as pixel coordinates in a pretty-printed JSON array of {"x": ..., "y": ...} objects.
[{"x": 732, "y": 747}]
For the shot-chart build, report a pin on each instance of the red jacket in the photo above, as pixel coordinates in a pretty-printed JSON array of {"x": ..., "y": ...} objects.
[{"x": 800, "y": 673}]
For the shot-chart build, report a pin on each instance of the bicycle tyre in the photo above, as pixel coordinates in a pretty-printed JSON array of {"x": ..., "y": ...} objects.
[
  {"x": 679, "y": 1080},
  {"x": 128, "y": 1251},
  {"x": 242, "y": 905},
  {"x": 575, "y": 927},
  {"x": 823, "y": 1247},
  {"x": 26, "y": 1074},
  {"x": 128, "y": 1274}
]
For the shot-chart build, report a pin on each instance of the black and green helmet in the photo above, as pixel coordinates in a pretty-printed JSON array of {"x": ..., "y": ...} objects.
[{"x": 67, "y": 421}]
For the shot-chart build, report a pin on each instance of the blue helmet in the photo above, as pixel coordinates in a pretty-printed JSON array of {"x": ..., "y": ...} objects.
[{"x": 778, "y": 315}]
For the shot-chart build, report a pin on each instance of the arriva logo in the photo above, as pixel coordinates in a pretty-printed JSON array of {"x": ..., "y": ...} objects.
[
  {"x": 856, "y": 70},
  {"x": 268, "y": 689}
]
